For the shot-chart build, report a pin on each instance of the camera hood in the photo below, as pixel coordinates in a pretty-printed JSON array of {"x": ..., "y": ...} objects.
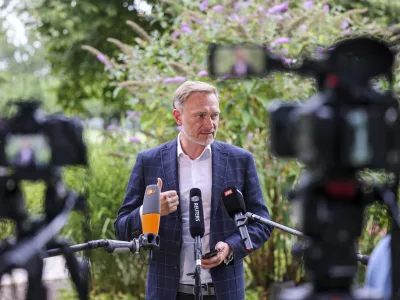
[{"x": 359, "y": 59}]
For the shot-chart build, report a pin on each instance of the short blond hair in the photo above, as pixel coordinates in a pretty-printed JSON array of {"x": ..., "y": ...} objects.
[{"x": 187, "y": 88}]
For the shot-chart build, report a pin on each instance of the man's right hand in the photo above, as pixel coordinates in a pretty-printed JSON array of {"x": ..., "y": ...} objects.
[{"x": 169, "y": 200}]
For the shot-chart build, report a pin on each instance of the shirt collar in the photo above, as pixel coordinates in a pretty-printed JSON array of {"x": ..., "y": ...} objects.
[{"x": 180, "y": 152}]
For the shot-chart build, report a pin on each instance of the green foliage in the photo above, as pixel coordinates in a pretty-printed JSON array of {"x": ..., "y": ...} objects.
[
  {"x": 383, "y": 11},
  {"x": 23, "y": 74},
  {"x": 64, "y": 27},
  {"x": 150, "y": 70},
  {"x": 111, "y": 161},
  {"x": 153, "y": 67}
]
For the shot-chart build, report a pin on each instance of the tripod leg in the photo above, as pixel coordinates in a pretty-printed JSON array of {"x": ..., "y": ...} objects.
[
  {"x": 36, "y": 289},
  {"x": 79, "y": 277}
]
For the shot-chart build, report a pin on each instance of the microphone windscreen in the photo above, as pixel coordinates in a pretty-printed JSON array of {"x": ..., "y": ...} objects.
[
  {"x": 233, "y": 201},
  {"x": 151, "y": 209},
  {"x": 196, "y": 215}
]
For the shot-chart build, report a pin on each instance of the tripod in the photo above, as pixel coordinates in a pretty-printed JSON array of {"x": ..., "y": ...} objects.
[
  {"x": 331, "y": 215},
  {"x": 25, "y": 250}
]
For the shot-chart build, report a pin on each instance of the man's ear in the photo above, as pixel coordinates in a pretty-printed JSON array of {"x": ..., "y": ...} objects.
[{"x": 177, "y": 116}]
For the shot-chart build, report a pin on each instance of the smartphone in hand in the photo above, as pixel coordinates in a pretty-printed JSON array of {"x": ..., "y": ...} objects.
[{"x": 209, "y": 254}]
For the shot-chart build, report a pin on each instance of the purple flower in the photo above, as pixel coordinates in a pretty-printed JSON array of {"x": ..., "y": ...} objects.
[
  {"x": 250, "y": 135},
  {"x": 185, "y": 28},
  {"x": 281, "y": 40},
  {"x": 217, "y": 8},
  {"x": 158, "y": 78},
  {"x": 235, "y": 17},
  {"x": 309, "y": 4},
  {"x": 287, "y": 60},
  {"x": 204, "y": 5},
  {"x": 134, "y": 139},
  {"x": 176, "y": 79},
  {"x": 101, "y": 57},
  {"x": 112, "y": 127},
  {"x": 326, "y": 8},
  {"x": 347, "y": 31},
  {"x": 133, "y": 115},
  {"x": 320, "y": 49},
  {"x": 202, "y": 73},
  {"x": 198, "y": 21},
  {"x": 182, "y": 52},
  {"x": 344, "y": 25},
  {"x": 242, "y": 20},
  {"x": 278, "y": 18},
  {"x": 303, "y": 27},
  {"x": 178, "y": 128},
  {"x": 279, "y": 8},
  {"x": 175, "y": 34}
]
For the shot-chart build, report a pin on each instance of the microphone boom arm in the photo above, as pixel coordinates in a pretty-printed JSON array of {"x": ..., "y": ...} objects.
[
  {"x": 148, "y": 241},
  {"x": 360, "y": 257}
]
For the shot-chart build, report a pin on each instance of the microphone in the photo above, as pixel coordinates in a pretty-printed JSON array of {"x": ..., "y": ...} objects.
[
  {"x": 196, "y": 221},
  {"x": 234, "y": 205},
  {"x": 151, "y": 210},
  {"x": 151, "y": 218}
]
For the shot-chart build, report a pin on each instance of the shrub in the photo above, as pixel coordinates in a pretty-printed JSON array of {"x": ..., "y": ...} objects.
[{"x": 155, "y": 64}]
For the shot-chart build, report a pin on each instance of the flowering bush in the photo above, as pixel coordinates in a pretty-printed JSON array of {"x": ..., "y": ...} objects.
[{"x": 153, "y": 67}]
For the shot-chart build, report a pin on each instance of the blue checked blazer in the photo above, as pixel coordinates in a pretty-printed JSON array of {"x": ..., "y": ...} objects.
[{"x": 231, "y": 166}]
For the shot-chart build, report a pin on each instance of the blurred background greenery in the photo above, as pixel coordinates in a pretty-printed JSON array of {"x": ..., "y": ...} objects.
[{"x": 116, "y": 65}]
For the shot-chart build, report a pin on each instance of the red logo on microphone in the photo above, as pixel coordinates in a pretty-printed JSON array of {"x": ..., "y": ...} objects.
[{"x": 228, "y": 192}]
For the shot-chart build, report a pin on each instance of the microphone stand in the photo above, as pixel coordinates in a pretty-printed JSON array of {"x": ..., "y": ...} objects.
[
  {"x": 147, "y": 241},
  {"x": 198, "y": 292},
  {"x": 360, "y": 257}
]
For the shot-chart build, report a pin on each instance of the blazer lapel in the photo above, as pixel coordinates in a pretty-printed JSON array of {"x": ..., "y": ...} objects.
[
  {"x": 219, "y": 166},
  {"x": 169, "y": 163}
]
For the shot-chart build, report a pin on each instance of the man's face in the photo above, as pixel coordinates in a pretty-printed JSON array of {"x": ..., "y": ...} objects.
[
  {"x": 199, "y": 118},
  {"x": 241, "y": 55}
]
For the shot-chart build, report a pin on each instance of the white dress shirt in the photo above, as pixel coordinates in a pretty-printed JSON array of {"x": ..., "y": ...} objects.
[{"x": 194, "y": 174}]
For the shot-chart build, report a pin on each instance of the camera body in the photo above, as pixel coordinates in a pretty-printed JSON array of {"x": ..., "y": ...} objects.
[
  {"x": 359, "y": 131},
  {"x": 31, "y": 143}
]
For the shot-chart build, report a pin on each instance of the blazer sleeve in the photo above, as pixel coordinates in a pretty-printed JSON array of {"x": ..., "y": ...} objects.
[
  {"x": 128, "y": 224},
  {"x": 254, "y": 200}
]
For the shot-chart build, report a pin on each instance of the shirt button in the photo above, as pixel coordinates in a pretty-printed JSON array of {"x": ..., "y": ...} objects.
[{"x": 178, "y": 243}]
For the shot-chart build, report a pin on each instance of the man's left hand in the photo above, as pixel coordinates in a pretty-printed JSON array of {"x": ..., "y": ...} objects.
[{"x": 224, "y": 250}]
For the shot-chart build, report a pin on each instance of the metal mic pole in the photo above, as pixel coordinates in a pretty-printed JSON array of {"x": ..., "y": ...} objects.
[
  {"x": 198, "y": 293},
  {"x": 360, "y": 257},
  {"x": 255, "y": 217}
]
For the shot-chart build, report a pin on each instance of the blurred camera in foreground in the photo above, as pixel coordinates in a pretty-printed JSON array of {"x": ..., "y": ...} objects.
[
  {"x": 31, "y": 143},
  {"x": 348, "y": 123}
]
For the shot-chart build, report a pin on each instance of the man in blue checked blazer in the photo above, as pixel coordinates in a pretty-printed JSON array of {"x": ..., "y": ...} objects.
[{"x": 195, "y": 160}]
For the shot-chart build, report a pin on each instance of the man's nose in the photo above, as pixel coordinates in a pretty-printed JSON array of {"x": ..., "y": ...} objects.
[{"x": 208, "y": 123}]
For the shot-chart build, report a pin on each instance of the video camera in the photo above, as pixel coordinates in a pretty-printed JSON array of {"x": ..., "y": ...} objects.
[
  {"x": 32, "y": 143},
  {"x": 34, "y": 147},
  {"x": 348, "y": 125}
]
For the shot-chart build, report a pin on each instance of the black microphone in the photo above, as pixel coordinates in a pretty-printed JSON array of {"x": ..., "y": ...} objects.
[
  {"x": 196, "y": 221},
  {"x": 234, "y": 205}
]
